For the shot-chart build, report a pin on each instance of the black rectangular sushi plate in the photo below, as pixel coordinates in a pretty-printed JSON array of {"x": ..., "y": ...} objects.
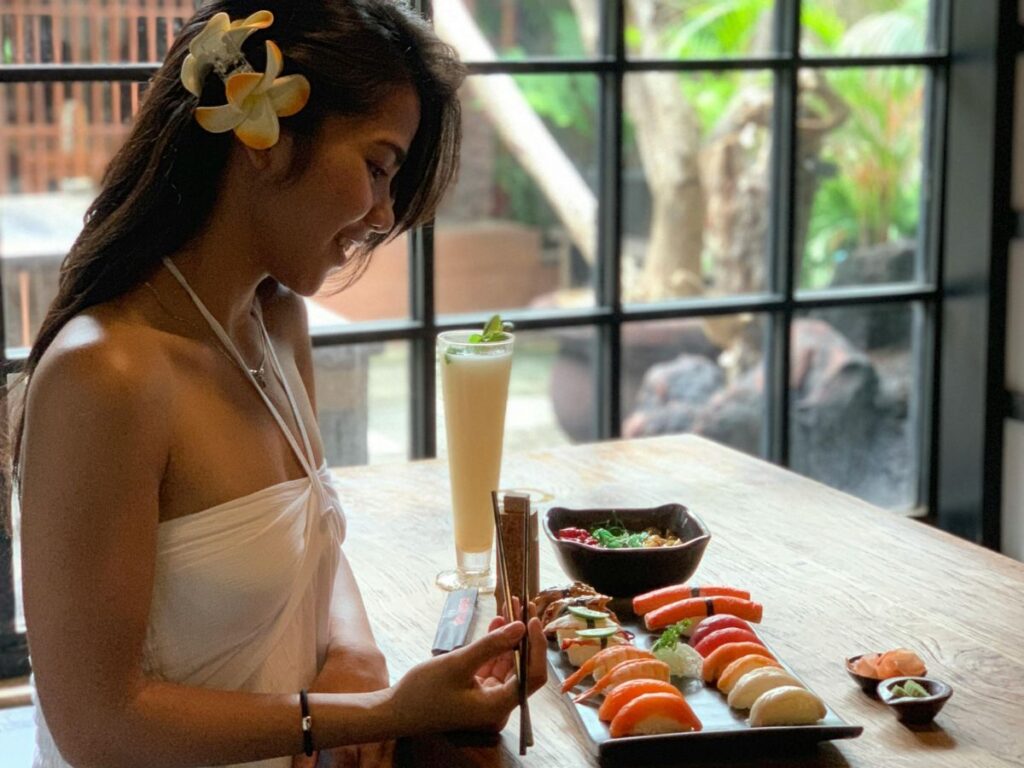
[{"x": 725, "y": 730}]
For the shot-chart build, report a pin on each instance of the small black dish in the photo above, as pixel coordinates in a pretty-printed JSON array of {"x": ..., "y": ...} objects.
[
  {"x": 915, "y": 711},
  {"x": 867, "y": 684},
  {"x": 629, "y": 571}
]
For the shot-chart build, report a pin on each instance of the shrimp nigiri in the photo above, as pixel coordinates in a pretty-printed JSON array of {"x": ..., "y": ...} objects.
[
  {"x": 648, "y": 669},
  {"x": 665, "y": 595},
  {"x": 654, "y": 713},
  {"x": 602, "y": 661},
  {"x": 625, "y": 693}
]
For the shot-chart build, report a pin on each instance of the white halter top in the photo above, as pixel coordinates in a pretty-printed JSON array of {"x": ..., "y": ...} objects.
[{"x": 242, "y": 591}]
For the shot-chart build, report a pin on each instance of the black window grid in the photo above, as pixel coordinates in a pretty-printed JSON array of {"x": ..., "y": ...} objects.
[{"x": 780, "y": 303}]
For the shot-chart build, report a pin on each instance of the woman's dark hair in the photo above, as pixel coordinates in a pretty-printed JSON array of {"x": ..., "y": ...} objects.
[{"x": 160, "y": 188}]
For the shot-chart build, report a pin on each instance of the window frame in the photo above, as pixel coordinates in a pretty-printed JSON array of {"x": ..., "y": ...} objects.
[{"x": 963, "y": 239}]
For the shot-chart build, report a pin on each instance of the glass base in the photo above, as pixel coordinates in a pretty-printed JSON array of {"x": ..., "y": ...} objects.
[{"x": 458, "y": 579}]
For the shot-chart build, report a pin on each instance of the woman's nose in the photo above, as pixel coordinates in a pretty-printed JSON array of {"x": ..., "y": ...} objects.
[{"x": 381, "y": 217}]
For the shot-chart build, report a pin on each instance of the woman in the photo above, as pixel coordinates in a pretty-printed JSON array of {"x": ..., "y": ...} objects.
[{"x": 182, "y": 568}]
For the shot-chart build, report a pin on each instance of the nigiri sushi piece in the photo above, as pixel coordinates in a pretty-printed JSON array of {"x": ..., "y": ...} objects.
[
  {"x": 589, "y": 642},
  {"x": 654, "y": 713},
  {"x": 709, "y": 643},
  {"x": 737, "y": 669},
  {"x": 602, "y": 661},
  {"x": 649, "y": 669},
  {"x": 757, "y": 681},
  {"x": 659, "y": 597},
  {"x": 711, "y": 624},
  {"x": 568, "y": 624},
  {"x": 702, "y": 606},
  {"x": 788, "y": 705},
  {"x": 628, "y": 691},
  {"x": 724, "y": 655}
]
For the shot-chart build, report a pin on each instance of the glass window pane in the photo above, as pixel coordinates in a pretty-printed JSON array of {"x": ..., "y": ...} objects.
[
  {"x": 700, "y": 375},
  {"x": 482, "y": 30},
  {"x": 362, "y": 398},
  {"x": 699, "y": 29},
  {"x": 91, "y": 31},
  {"x": 696, "y": 208},
  {"x": 864, "y": 27},
  {"x": 380, "y": 293},
  {"x": 55, "y": 142},
  {"x": 858, "y": 218},
  {"x": 855, "y": 394},
  {"x": 551, "y": 391},
  {"x": 519, "y": 228}
]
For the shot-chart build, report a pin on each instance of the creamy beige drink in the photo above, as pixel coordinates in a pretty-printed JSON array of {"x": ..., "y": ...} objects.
[{"x": 474, "y": 383}]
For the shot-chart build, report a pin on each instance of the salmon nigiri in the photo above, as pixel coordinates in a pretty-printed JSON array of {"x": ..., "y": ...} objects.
[
  {"x": 625, "y": 693},
  {"x": 702, "y": 606},
  {"x": 737, "y": 669},
  {"x": 649, "y": 669},
  {"x": 602, "y": 661},
  {"x": 657, "y": 598},
  {"x": 716, "y": 662},
  {"x": 654, "y": 713}
]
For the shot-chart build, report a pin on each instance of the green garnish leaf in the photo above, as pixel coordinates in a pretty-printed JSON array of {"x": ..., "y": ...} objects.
[
  {"x": 475, "y": 338},
  {"x": 670, "y": 637},
  {"x": 493, "y": 330}
]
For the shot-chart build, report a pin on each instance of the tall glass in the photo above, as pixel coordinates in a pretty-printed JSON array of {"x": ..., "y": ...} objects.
[{"x": 474, "y": 383}]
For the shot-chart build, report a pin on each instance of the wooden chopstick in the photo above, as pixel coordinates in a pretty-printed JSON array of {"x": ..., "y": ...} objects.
[
  {"x": 525, "y": 723},
  {"x": 521, "y": 654}
]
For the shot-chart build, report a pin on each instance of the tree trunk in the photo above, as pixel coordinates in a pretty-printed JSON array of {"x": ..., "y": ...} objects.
[{"x": 522, "y": 131}]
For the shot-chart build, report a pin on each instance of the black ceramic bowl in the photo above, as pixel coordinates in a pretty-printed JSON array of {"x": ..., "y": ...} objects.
[
  {"x": 915, "y": 711},
  {"x": 627, "y": 572}
]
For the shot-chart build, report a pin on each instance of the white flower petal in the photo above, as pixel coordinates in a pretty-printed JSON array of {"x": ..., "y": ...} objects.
[{"x": 219, "y": 119}]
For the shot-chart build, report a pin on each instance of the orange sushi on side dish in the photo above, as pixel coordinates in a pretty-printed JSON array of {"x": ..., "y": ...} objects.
[
  {"x": 654, "y": 713},
  {"x": 626, "y": 692}
]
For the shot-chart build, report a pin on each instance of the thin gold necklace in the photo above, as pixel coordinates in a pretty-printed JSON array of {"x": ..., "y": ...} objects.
[{"x": 259, "y": 373}]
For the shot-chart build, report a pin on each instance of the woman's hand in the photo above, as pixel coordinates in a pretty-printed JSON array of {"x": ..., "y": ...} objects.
[
  {"x": 473, "y": 688},
  {"x": 351, "y": 671}
]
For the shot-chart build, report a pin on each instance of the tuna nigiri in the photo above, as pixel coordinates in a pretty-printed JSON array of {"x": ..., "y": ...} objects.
[
  {"x": 737, "y": 669},
  {"x": 702, "y": 606},
  {"x": 709, "y": 643},
  {"x": 654, "y": 713},
  {"x": 637, "y": 669},
  {"x": 628, "y": 691},
  {"x": 724, "y": 655},
  {"x": 711, "y": 624},
  {"x": 601, "y": 662},
  {"x": 659, "y": 597}
]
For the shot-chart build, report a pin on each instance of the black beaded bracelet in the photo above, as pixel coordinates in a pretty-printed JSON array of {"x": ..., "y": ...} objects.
[{"x": 307, "y": 724}]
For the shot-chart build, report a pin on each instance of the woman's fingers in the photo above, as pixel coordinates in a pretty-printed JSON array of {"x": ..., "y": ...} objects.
[
  {"x": 489, "y": 647},
  {"x": 537, "y": 674}
]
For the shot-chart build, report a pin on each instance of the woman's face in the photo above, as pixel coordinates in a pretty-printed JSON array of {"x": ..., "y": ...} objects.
[{"x": 311, "y": 225}]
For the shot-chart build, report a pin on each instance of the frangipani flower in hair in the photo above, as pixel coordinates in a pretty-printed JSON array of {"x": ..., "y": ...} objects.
[{"x": 255, "y": 100}]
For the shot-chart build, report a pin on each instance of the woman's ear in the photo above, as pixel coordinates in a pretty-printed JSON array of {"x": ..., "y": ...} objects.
[{"x": 274, "y": 162}]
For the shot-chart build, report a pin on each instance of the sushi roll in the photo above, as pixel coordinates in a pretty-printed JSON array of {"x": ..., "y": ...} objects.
[
  {"x": 654, "y": 713},
  {"x": 657, "y": 598},
  {"x": 788, "y": 705},
  {"x": 700, "y": 607},
  {"x": 628, "y": 691},
  {"x": 567, "y": 625},
  {"x": 754, "y": 683},
  {"x": 732, "y": 673}
]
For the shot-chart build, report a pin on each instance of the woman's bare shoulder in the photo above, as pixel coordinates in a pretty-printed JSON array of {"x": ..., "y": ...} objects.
[{"x": 99, "y": 355}]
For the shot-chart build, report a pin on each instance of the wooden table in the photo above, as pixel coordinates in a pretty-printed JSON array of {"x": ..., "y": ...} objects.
[{"x": 837, "y": 577}]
